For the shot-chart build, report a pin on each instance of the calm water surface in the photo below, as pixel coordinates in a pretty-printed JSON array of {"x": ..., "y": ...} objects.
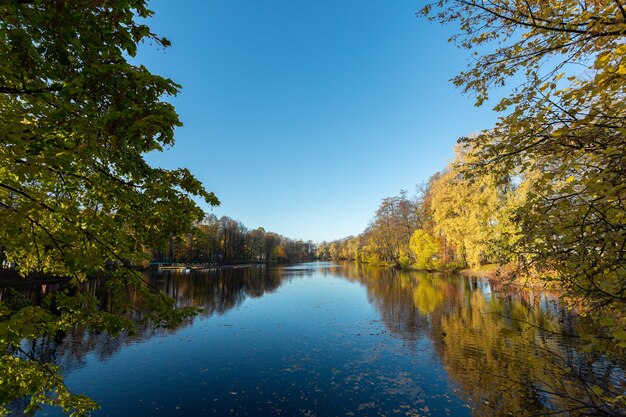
[{"x": 326, "y": 339}]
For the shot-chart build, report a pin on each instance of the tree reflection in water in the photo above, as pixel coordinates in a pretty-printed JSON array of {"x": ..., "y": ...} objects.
[
  {"x": 516, "y": 354},
  {"x": 214, "y": 291}
]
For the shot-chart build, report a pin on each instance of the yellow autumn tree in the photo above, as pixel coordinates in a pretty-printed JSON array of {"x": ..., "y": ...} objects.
[{"x": 425, "y": 248}]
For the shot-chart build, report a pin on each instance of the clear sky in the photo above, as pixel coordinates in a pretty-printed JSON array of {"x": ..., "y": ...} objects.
[{"x": 301, "y": 115}]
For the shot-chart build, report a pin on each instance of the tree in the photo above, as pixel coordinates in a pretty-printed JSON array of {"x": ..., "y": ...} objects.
[
  {"x": 272, "y": 240},
  {"x": 562, "y": 129},
  {"x": 424, "y": 247},
  {"x": 279, "y": 253},
  {"x": 333, "y": 251},
  {"x": 354, "y": 245},
  {"x": 76, "y": 194},
  {"x": 256, "y": 239},
  {"x": 465, "y": 213},
  {"x": 321, "y": 252},
  {"x": 391, "y": 228}
]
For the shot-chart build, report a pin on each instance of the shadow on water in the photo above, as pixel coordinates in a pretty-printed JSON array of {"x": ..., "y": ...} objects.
[{"x": 499, "y": 354}]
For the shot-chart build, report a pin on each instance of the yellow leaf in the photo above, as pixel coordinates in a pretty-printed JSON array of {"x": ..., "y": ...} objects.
[{"x": 602, "y": 60}]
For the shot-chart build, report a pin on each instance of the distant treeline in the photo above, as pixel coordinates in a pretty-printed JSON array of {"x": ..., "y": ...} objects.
[{"x": 225, "y": 241}]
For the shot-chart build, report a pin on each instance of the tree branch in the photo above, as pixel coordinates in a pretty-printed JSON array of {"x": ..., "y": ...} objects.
[{"x": 12, "y": 90}]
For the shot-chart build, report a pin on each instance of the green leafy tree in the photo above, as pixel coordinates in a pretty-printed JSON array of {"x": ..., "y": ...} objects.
[{"x": 76, "y": 193}]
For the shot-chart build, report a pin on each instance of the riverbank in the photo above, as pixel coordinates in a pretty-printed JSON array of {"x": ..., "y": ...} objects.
[
  {"x": 204, "y": 267},
  {"x": 509, "y": 278},
  {"x": 489, "y": 271},
  {"x": 506, "y": 277},
  {"x": 10, "y": 277}
]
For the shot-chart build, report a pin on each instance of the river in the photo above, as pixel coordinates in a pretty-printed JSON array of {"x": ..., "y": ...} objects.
[{"x": 339, "y": 339}]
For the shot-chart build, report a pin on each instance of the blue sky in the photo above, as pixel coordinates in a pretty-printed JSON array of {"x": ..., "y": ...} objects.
[{"x": 301, "y": 115}]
